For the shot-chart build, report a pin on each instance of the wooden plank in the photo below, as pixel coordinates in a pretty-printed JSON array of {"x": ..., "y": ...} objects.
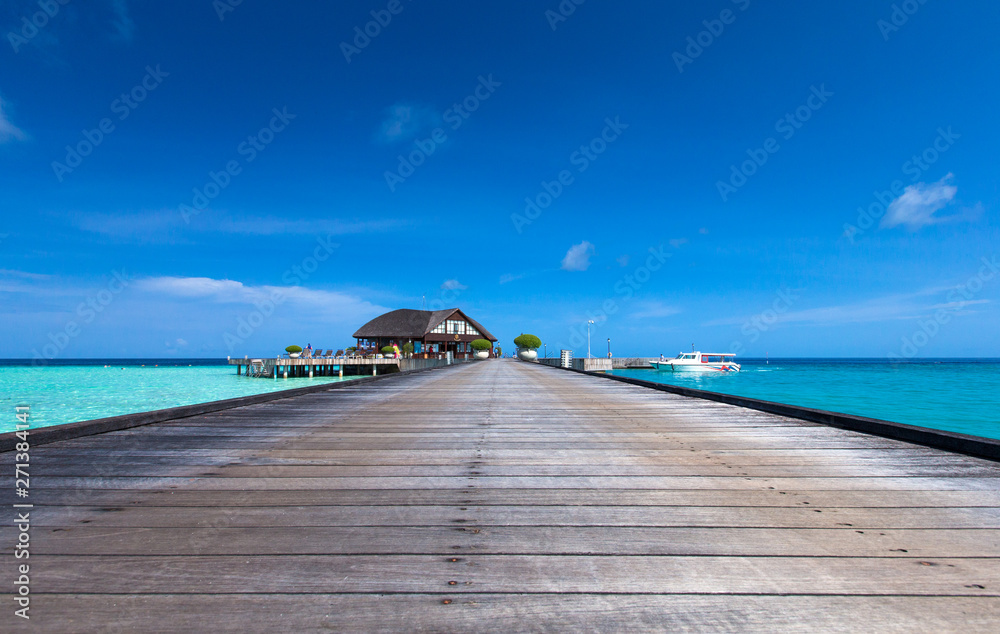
[
  {"x": 477, "y": 574},
  {"x": 471, "y": 538},
  {"x": 889, "y": 500},
  {"x": 844, "y": 483},
  {"x": 373, "y": 514},
  {"x": 506, "y": 612},
  {"x": 224, "y": 469}
]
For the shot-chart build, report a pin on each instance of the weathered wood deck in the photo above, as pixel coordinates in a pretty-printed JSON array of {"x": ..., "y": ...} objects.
[{"x": 505, "y": 496}]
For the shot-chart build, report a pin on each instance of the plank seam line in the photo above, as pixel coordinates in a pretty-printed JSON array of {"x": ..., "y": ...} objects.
[{"x": 523, "y": 593}]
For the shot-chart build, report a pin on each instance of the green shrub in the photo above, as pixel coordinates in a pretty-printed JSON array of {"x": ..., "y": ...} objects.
[
  {"x": 530, "y": 342},
  {"x": 388, "y": 350},
  {"x": 408, "y": 348},
  {"x": 481, "y": 344},
  {"x": 293, "y": 349}
]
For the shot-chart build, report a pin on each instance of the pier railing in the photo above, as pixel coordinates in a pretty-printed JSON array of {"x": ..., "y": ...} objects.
[
  {"x": 284, "y": 367},
  {"x": 587, "y": 365}
]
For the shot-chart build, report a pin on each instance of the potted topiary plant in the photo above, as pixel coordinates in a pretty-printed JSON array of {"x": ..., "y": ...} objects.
[
  {"x": 482, "y": 348},
  {"x": 408, "y": 350},
  {"x": 293, "y": 351},
  {"x": 527, "y": 347},
  {"x": 388, "y": 351}
]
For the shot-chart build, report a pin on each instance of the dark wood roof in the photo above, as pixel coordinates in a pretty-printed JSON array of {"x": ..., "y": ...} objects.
[{"x": 406, "y": 322}]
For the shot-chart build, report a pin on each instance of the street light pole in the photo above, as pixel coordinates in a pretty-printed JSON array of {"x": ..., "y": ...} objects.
[
  {"x": 589, "y": 321},
  {"x": 609, "y": 347}
]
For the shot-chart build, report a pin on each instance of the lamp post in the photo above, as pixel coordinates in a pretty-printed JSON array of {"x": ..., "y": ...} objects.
[
  {"x": 609, "y": 347},
  {"x": 589, "y": 322},
  {"x": 545, "y": 349}
]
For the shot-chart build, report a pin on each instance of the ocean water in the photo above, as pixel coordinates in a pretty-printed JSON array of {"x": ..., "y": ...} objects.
[
  {"x": 78, "y": 390},
  {"x": 953, "y": 395},
  {"x": 958, "y": 395}
]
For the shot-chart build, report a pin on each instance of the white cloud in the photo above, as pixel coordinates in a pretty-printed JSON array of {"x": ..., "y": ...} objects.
[
  {"x": 9, "y": 131},
  {"x": 453, "y": 285},
  {"x": 578, "y": 257},
  {"x": 317, "y": 302},
  {"x": 649, "y": 310},
  {"x": 167, "y": 225},
  {"x": 404, "y": 121},
  {"x": 915, "y": 208},
  {"x": 203, "y": 315},
  {"x": 270, "y": 226},
  {"x": 880, "y": 309},
  {"x": 506, "y": 278},
  {"x": 23, "y": 274},
  {"x": 221, "y": 290}
]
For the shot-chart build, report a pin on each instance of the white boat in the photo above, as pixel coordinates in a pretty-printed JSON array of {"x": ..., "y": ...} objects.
[{"x": 699, "y": 362}]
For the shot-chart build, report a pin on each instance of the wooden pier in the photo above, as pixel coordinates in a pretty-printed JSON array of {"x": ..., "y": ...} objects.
[
  {"x": 284, "y": 367},
  {"x": 504, "y": 496}
]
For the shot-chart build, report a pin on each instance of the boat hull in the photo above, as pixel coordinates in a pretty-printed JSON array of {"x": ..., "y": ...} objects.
[{"x": 695, "y": 367}]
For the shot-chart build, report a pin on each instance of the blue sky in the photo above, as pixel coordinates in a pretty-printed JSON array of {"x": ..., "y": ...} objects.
[{"x": 198, "y": 179}]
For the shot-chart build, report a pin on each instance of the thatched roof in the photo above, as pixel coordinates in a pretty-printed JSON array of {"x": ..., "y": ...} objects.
[{"x": 406, "y": 322}]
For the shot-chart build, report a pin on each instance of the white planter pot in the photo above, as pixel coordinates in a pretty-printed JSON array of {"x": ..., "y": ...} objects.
[
  {"x": 527, "y": 354},
  {"x": 482, "y": 354},
  {"x": 294, "y": 355}
]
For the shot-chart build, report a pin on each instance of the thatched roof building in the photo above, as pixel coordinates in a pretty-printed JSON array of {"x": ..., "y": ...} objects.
[{"x": 432, "y": 332}]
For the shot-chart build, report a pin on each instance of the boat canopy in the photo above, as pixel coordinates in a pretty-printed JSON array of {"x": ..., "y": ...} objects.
[{"x": 692, "y": 355}]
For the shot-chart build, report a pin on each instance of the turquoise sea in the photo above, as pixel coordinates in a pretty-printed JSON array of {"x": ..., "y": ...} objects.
[
  {"x": 959, "y": 395},
  {"x": 953, "y": 395},
  {"x": 75, "y": 390}
]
